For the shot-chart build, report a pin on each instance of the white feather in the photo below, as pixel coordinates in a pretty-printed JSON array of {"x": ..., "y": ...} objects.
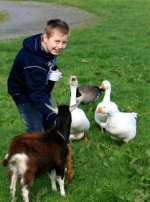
[
  {"x": 121, "y": 125},
  {"x": 80, "y": 123},
  {"x": 99, "y": 117}
]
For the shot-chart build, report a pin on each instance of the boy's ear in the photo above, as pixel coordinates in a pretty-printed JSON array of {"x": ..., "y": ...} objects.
[{"x": 44, "y": 37}]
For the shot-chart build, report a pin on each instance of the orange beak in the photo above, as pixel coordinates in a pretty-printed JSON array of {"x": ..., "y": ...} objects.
[
  {"x": 102, "y": 86},
  {"x": 99, "y": 110}
]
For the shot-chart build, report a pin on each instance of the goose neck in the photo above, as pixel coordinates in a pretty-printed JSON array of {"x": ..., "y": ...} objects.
[
  {"x": 73, "y": 90},
  {"x": 107, "y": 95}
]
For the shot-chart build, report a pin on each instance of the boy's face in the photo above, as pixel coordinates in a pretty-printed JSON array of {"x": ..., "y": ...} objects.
[{"x": 56, "y": 43}]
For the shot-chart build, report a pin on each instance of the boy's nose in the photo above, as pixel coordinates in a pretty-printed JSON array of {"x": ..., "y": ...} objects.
[{"x": 60, "y": 45}]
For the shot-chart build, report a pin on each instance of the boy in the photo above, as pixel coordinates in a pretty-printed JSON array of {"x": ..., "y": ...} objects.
[{"x": 28, "y": 82}]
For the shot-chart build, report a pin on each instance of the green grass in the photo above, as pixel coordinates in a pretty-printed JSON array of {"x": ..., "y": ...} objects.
[{"x": 115, "y": 48}]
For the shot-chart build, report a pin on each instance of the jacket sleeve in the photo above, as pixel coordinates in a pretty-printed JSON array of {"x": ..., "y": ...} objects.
[{"x": 38, "y": 91}]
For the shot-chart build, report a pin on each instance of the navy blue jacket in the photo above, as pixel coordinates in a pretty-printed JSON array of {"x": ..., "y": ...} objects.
[{"x": 28, "y": 79}]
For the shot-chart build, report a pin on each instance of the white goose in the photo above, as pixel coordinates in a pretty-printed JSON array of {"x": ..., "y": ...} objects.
[
  {"x": 99, "y": 117},
  {"x": 121, "y": 125},
  {"x": 80, "y": 124}
]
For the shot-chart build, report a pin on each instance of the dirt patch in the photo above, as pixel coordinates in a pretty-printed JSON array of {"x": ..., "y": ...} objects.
[{"x": 30, "y": 17}]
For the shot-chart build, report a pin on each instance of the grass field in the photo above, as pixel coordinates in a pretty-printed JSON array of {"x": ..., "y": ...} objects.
[{"x": 116, "y": 48}]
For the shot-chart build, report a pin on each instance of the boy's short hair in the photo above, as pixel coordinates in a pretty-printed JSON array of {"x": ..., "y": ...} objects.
[{"x": 58, "y": 24}]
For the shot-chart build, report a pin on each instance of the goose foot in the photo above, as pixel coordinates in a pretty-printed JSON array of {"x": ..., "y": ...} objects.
[{"x": 85, "y": 139}]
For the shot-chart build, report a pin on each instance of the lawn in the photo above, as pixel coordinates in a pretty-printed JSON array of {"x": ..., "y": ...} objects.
[{"x": 116, "y": 48}]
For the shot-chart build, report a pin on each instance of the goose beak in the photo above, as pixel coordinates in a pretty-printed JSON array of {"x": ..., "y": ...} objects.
[
  {"x": 102, "y": 86},
  {"x": 99, "y": 110}
]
